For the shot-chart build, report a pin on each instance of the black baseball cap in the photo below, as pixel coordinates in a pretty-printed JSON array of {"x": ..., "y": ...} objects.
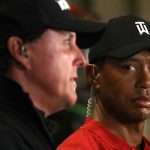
[
  {"x": 27, "y": 17},
  {"x": 123, "y": 37}
]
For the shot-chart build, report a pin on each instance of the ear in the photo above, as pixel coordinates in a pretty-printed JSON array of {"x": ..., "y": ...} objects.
[
  {"x": 92, "y": 73},
  {"x": 18, "y": 51}
]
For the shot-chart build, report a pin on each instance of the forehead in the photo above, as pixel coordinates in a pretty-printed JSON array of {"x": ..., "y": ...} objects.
[
  {"x": 143, "y": 55},
  {"x": 65, "y": 32},
  {"x": 51, "y": 34},
  {"x": 62, "y": 33}
]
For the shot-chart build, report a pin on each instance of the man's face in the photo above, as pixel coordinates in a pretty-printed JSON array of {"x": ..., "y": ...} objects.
[
  {"x": 125, "y": 87},
  {"x": 54, "y": 60}
]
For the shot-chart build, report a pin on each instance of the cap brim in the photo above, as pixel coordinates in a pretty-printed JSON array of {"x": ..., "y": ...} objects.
[
  {"x": 88, "y": 32},
  {"x": 129, "y": 50}
]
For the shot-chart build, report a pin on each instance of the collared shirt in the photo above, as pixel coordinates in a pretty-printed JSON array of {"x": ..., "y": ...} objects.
[{"x": 93, "y": 136}]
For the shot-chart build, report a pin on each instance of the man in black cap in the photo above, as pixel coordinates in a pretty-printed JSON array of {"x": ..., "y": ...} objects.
[
  {"x": 120, "y": 76},
  {"x": 39, "y": 59}
]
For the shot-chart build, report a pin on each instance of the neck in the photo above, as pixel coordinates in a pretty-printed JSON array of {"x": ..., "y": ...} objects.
[{"x": 129, "y": 132}]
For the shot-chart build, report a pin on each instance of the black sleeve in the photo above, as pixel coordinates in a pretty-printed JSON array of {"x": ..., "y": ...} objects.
[{"x": 10, "y": 140}]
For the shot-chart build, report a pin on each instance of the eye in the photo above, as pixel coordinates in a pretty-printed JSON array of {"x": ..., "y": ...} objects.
[
  {"x": 130, "y": 67},
  {"x": 66, "y": 41}
]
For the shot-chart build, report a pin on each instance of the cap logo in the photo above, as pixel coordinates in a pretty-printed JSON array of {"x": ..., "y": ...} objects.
[
  {"x": 63, "y": 4},
  {"x": 141, "y": 27}
]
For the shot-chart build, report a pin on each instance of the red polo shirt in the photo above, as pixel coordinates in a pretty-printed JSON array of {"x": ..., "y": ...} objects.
[{"x": 93, "y": 136}]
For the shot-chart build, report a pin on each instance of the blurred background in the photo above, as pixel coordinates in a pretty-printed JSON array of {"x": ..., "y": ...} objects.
[
  {"x": 67, "y": 121},
  {"x": 106, "y": 9}
]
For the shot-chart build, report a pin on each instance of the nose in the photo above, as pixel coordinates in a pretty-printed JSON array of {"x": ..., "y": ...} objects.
[
  {"x": 79, "y": 58},
  {"x": 144, "y": 79}
]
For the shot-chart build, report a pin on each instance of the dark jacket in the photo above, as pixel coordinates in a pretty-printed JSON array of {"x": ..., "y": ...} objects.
[{"x": 22, "y": 127}]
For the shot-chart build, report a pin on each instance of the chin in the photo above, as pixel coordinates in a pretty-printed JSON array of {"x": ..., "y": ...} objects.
[{"x": 71, "y": 100}]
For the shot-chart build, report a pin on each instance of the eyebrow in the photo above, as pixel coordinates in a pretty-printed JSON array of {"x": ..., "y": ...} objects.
[
  {"x": 70, "y": 34},
  {"x": 124, "y": 60},
  {"x": 133, "y": 59},
  {"x": 66, "y": 32}
]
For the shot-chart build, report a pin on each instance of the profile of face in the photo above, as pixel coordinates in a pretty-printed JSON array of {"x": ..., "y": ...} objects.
[
  {"x": 53, "y": 60},
  {"x": 124, "y": 87}
]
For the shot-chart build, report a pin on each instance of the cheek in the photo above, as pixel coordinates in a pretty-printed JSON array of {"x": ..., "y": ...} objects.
[
  {"x": 116, "y": 92},
  {"x": 43, "y": 68},
  {"x": 116, "y": 87}
]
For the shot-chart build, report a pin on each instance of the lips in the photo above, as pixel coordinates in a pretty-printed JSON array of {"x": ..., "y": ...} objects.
[
  {"x": 142, "y": 101},
  {"x": 75, "y": 85},
  {"x": 73, "y": 80}
]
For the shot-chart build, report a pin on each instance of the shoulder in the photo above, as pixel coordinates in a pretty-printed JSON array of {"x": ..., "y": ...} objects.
[
  {"x": 146, "y": 142},
  {"x": 83, "y": 138},
  {"x": 9, "y": 139},
  {"x": 88, "y": 137}
]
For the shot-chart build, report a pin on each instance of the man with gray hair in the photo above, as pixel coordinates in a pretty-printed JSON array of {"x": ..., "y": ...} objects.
[{"x": 40, "y": 43}]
